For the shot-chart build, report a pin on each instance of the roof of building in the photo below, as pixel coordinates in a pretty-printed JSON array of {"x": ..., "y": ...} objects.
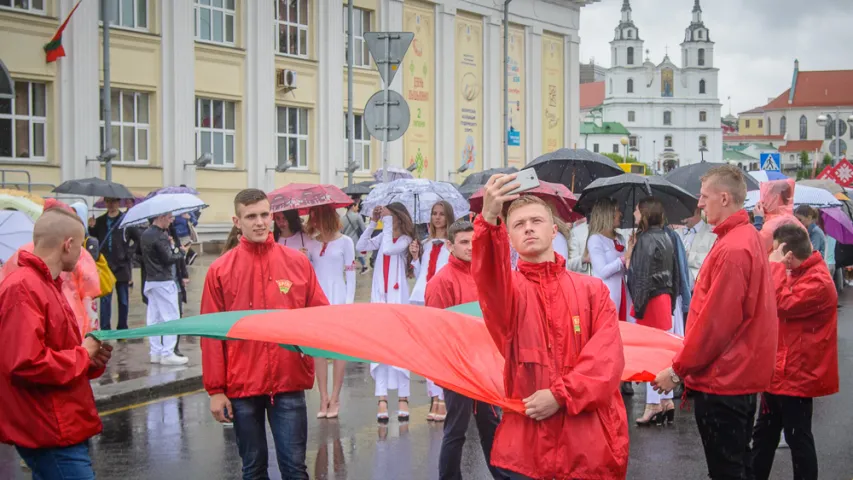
[
  {"x": 606, "y": 128},
  {"x": 753, "y": 138},
  {"x": 754, "y": 111},
  {"x": 734, "y": 155},
  {"x": 591, "y": 95},
  {"x": 828, "y": 88},
  {"x": 802, "y": 146}
]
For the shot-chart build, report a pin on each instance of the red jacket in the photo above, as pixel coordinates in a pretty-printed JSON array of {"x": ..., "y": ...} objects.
[
  {"x": 730, "y": 344},
  {"x": 257, "y": 276},
  {"x": 807, "y": 304},
  {"x": 557, "y": 330},
  {"x": 44, "y": 370},
  {"x": 452, "y": 285}
]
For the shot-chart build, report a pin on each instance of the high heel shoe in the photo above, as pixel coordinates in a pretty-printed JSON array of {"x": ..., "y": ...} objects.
[
  {"x": 401, "y": 415},
  {"x": 323, "y": 413},
  {"x": 668, "y": 413},
  {"x": 333, "y": 412},
  {"x": 651, "y": 416},
  {"x": 431, "y": 415},
  {"x": 382, "y": 417},
  {"x": 439, "y": 417}
]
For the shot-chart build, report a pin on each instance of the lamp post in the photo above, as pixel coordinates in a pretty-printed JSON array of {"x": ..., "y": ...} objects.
[
  {"x": 702, "y": 151},
  {"x": 624, "y": 141},
  {"x": 823, "y": 120}
]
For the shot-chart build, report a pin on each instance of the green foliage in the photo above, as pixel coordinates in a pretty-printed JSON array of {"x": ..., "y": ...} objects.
[
  {"x": 804, "y": 159},
  {"x": 827, "y": 160},
  {"x": 620, "y": 159}
]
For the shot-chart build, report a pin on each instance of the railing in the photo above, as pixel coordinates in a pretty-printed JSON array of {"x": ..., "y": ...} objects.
[{"x": 4, "y": 171}]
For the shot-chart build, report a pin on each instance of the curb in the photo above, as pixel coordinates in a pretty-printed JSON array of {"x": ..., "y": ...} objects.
[{"x": 130, "y": 392}]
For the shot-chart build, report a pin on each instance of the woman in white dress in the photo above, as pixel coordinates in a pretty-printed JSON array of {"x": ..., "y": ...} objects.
[
  {"x": 288, "y": 231},
  {"x": 427, "y": 260},
  {"x": 390, "y": 285},
  {"x": 333, "y": 258}
]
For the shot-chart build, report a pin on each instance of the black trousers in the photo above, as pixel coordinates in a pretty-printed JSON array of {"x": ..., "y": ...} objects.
[
  {"x": 794, "y": 415},
  {"x": 459, "y": 410},
  {"x": 725, "y": 425}
]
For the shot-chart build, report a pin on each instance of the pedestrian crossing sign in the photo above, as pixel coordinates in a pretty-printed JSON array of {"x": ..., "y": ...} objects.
[{"x": 770, "y": 162}]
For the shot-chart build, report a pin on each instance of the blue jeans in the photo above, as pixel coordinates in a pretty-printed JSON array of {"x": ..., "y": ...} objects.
[
  {"x": 121, "y": 289},
  {"x": 288, "y": 419},
  {"x": 62, "y": 463}
]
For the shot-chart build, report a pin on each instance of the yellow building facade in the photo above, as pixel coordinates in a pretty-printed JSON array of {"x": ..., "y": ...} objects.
[
  {"x": 262, "y": 83},
  {"x": 751, "y": 122}
]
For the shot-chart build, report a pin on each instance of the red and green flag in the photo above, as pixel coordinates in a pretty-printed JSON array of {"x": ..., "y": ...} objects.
[{"x": 54, "y": 49}]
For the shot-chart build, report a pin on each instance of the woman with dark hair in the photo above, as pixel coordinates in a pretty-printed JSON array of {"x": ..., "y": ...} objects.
[
  {"x": 232, "y": 240},
  {"x": 288, "y": 231},
  {"x": 390, "y": 285},
  {"x": 653, "y": 282},
  {"x": 810, "y": 218}
]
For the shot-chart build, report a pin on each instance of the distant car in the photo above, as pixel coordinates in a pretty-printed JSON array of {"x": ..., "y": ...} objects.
[{"x": 637, "y": 168}]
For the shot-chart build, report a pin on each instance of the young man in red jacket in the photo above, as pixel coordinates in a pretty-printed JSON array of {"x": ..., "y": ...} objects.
[
  {"x": 451, "y": 286},
  {"x": 48, "y": 409},
  {"x": 249, "y": 381},
  {"x": 807, "y": 357},
  {"x": 730, "y": 346},
  {"x": 559, "y": 334}
]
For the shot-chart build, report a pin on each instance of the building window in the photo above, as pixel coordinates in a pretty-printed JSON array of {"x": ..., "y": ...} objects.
[
  {"x": 129, "y": 125},
  {"x": 667, "y": 118},
  {"x": 783, "y": 126},
  {"x": 631, "y": 115},
  {"x": 32, "y": 6},
  {"x": 667, "y": 141},
  {"x": 292, "y": 136},
  {"x": 611, "y": 85},
  {"x": 292, "y": 27},
  {"x": 747, "y": 123},
  {"x": 632, "y": 141},
  {"x": 700, "y": 34},
  {"x": 630, "y": 34},
  {"x": 128, "y": 14},
  {"x": 215, "y": 128},
  {"x": 214, "y": 21},
  {"x": 702, "y": 87},
  {"x": 361, "y": 142},
  {"x": 616, "y": 148},
  {"x": 703, "y": 116},
  {"x": 23, "y": 122},
  {"x": 760, "y": 123},
  {"x": 630, "y": 85},
  {"x": 630, "y": 55},
  {"x": 701, "y": 57},
  {"x": 792, "y": 158},
  {"x": 595, "y": 147},
  {"x": 804, "y": 128},
  {"x": 361, "y": 25},
  {"x": 703, "y": 141}
]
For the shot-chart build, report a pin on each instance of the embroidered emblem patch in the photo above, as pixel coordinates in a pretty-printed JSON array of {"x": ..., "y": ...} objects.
[
  {"x": 284, "y": 285},
  {"x": 576, "y": 323}
]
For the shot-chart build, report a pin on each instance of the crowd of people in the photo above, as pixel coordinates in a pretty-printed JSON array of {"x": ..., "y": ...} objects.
[{"x": 752, "y": 296}]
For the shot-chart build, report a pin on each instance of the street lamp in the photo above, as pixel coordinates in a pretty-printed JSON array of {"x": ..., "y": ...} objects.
[
  {"x": 464, "y": 168},
  {"x": 823, "y": 120},
  {"x": 624, "y": 141},
  {"x": 702, "y": 151},
  {"x": 200, "y": 162},
  {"x": 280, "y": 168}
]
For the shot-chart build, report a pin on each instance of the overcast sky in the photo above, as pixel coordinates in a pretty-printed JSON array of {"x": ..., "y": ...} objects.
[{"x": 756, "y": 41}]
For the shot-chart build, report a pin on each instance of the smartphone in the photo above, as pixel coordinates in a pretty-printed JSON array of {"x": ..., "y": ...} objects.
[{"x": 527, "y": 180}]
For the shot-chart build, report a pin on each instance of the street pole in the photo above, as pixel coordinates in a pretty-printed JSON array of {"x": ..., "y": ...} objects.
[
  {"x": 350, "y": 116},
  {"x": 387, "y": 114},
  {"x": 506, "y": 83},
  {"x": 107, "y": 94}
]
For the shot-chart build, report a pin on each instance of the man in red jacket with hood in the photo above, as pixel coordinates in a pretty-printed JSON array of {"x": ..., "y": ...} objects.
[
  {"x": 559, "y": 334},
  {"x": 807, "y": 356},
  {"x": 730, "y": 346},
  {"x": 249, "y": 381},
  {"x": 48, "y": 407}
]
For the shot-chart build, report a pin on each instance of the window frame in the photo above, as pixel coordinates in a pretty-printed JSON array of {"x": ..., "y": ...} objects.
[
  {"x": 804, "y": 127},
  {"x": 702, "y": 87},
  {"x": 121, "y": 124},
  {"x": 31, "y": 120},
  {"x": 630, "y": 57},
  {"x": 298, "y": 136},
  {"x": 667, "y": 118},
  {"x": 224, "y": 130},
  {"x": 28, "y": 9},
  {"x": 630, "y": 85},
  {"x": 226, "y": 12},
  {"x": 359, "y": 39},
  {"x": 632, "y": 116},
  {"x": 701, "y": 57},
  {"x": 667, "y": 141},
  {"x": 293, "y": 24},
  {"x": 595, "y": 148},
  {"x": 760, "y": 123},
  {"x": 703, "y": 141},
  {"x": 364, "y": 143},
  {"x": 135, "y": 26},
  {"x": 783, "y": 126},
  {"x": 703, "y": 116}
]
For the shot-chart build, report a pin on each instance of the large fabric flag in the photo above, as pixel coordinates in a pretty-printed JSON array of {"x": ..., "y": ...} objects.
[
  {"x": 54, "y": 49},
  {"x": 462, "y": 358}
]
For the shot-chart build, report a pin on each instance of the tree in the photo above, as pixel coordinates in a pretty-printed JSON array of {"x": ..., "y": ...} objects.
[
  {"x": 619, "y": 158},
  {"x": 804, "y": 160},
  {"x": 827, "y": 160}
]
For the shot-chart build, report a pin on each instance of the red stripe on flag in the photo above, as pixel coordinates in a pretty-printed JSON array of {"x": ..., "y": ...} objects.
[{"x": 54, "y": 49}]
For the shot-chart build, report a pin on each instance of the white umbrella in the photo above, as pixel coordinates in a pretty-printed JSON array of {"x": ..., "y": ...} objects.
[
  {"x": 803, "y": 195},
  {"x": 418, "y": 195},
  {"x": 16, "y": 230},
  {"x": 174, "y": 203}
]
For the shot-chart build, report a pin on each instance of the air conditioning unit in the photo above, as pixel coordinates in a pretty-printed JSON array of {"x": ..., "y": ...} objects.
[{"x": 285, "y": 79}]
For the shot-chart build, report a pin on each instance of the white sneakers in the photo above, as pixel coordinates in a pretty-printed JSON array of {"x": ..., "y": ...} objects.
[{"x": 169, "y": 360}]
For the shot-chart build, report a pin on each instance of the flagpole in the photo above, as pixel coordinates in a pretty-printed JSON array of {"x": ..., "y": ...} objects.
[{"x": 107, "y": 93}]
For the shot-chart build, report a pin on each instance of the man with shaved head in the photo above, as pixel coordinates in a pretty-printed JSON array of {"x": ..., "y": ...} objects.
[{"x": 48, "y": 409}]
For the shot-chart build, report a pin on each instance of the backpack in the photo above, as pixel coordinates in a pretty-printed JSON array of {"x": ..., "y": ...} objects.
[{"x": 105, "y": 275}]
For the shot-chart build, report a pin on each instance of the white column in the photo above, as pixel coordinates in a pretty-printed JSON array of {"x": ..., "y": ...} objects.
[
  {"x": 331, "y": 154},
  {"x": 572, "y": 91},
  {"x": 493, "y": 137},
  {"x": 446, "y": 158},
  {"x": 391, "y": 20},
  {"x": 79, "y": 91},
  {"x": 259, "y": 151},
  {"x": 533, "y": 93},
  {"x": 177, "y": 93}
]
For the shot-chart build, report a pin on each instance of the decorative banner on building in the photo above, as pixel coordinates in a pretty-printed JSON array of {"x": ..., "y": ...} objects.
[
  {"x": 553, "y": 99},
  {"x": 517, "y": 108},
  {"x": 469, "y": 92},
  {"x": 419, "y": 88}
]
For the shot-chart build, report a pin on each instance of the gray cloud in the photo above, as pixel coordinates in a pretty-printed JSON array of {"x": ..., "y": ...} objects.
[{"x": 756, "y": 41}]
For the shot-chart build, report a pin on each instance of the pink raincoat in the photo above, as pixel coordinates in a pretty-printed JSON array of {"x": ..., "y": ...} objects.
[{"x": 778, "y": 200}]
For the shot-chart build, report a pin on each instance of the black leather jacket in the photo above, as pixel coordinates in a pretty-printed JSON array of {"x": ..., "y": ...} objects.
[
  {"x": 653, "y": 269},
  {"x": 158, "y": 255}
]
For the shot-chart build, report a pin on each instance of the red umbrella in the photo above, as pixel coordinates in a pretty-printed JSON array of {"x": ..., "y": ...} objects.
[
  {"x": 302, "y": 196},
  {"x": 555, "y": 194}
]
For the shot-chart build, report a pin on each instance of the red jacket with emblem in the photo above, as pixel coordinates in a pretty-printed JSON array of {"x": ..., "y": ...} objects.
[
  {"x": 730, "y": 343},
  {"x": 257, "y": 276},
  {"x": 807, "y": 355},
  {"x": 452, "y": 285},
  {"x": 557, "y": 330},
  {"x": 44, "y": 370}
]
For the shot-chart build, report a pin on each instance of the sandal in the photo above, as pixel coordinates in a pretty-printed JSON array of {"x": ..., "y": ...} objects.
[
  {"x": 401, "y": 415},
  {"x": 382, "y": 417},
  {"x": 440, "y": 417},
  {"x": 333, "y": 412},
  {"x": 431, "y": 414}
]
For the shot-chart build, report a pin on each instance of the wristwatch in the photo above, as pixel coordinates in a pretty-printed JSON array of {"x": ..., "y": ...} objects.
[{"x": 674, "y": 376}]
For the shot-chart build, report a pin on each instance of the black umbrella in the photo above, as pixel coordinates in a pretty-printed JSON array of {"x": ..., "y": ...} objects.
[
  {"x": 574, "y": 168},
  {"x": 628, "y": 189},
  {"x": 689, "y": 177},
  {"x": 474, "y": 182},
  {"x": 360, "y": 188},
  {"x": 94, "y": 187}
]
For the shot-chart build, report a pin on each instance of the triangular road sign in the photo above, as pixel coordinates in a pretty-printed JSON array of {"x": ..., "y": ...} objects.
[
  {"x": 769, "y": 164},
  {"x": 770, "y": 161},
  {"x": 388, "y": 50}
]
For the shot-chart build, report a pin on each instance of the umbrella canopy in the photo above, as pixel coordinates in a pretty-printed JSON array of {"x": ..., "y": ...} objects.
[
  {"x": 767, "y": 175},
  {"x": 803, "y": 195},
  {"x": 574, "y": 168},
  {"x": 554, "y": 193},
  {"x": 360, "y": 188},
  {"x": 122, "y": 202},
  {"x": 94, "y": 187},
  {"x": 827, "y": 185},
  {"x": 689, "y": 177},
  {"x": 837, "y": 224},
  {"x": 418, "y": 196},
  {"x": 21, "y": 204},
  {"x": 394, "y": 173},
  {"x": 302, "y": 196},
  {"x": 174, "y": 203},
  {"x": 18, "y": 193},
  {"x": 173, "y": 189},
  {"x": 474, "y": 182},
  {"x": 628, "y": 189},
  {"x": 16, "y": 230}
]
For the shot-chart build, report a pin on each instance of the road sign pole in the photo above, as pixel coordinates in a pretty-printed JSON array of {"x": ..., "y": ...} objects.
[
  {"x": 387, "y": 109},
  {"x": 350, "y": 116},
  {"x": 506, "y": 83}
]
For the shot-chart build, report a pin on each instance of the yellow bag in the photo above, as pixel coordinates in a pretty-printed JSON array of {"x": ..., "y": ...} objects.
[{"x": 108, "y": 280}]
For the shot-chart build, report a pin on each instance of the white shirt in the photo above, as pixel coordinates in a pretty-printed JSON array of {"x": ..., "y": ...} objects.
[{"x": 689, "y": 234}]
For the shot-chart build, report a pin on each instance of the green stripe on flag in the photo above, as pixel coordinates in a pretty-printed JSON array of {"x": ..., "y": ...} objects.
[
  {"x": 53, "y": 44},
  {"x": 214, "y": 325},
  {"x": 472, "y": 309},
  {"x": 316, "y": 352}
]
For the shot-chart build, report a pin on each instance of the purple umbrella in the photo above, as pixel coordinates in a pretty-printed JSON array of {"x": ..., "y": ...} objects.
[
  {"x": 173, "y": 190},
  {"x": 394, "y": 173},
  {"x": 837, "y": 225}
]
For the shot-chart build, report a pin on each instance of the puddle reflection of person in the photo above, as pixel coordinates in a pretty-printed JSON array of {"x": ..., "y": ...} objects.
[{"x": 330, "y": 433}]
